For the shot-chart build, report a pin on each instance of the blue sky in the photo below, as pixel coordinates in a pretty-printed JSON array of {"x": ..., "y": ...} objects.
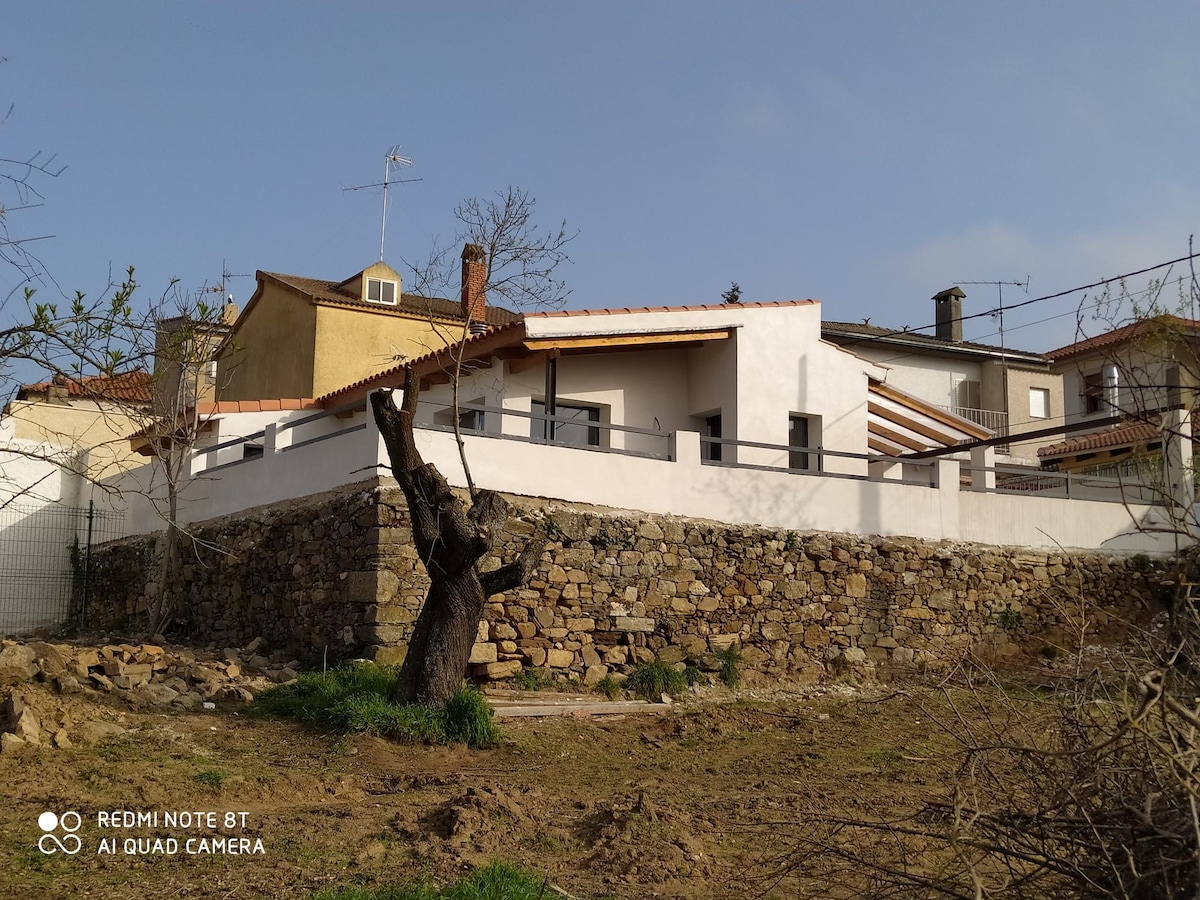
[{"x": 865, "y": 154}]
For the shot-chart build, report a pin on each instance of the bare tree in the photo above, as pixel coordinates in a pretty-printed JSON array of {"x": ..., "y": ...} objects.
[
  {"x": 519, "y": 264},
  {"x": 180, "y": 334}
]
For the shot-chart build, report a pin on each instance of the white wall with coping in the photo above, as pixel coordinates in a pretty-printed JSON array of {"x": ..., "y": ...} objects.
[{"x": 682, "y": 486}]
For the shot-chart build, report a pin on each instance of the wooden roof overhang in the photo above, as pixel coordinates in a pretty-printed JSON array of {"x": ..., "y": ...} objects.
[
  {"x": 523, "y": 352},
  {"x": 899, "y": 424}
]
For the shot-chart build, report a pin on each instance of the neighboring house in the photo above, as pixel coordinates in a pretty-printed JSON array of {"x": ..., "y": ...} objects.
[
  {"x": 93, "y": 415},
  {"x": 185, "y": 358},
  {"x": 1133, "y": 372},
  {"x": 1006, "y": 391},
  {"x": 302, "y": 337}
]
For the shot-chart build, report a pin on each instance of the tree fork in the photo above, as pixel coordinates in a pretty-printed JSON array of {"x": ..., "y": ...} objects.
[{"x": 450, "y": 539}]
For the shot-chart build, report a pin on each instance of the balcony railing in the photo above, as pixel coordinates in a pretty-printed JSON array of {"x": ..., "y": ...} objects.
[{"x": 993, "y": 420}]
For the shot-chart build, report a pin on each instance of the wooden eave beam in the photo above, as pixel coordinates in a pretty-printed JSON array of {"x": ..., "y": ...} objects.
[
  {"x": 533, "y": 361},
  {"x": 611, "y": 341},
  {"x": 911, "y": 424},
  {"x": 894, "y": 436},
  {"x": 931, "y": 411},
  {"x": 880, "y": 447}
]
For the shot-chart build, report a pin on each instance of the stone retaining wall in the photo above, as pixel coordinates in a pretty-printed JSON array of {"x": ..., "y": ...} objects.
[{"x": 338, "y": 577}]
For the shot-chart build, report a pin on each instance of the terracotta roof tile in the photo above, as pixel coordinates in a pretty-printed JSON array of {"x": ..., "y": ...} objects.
[
  {"x": 618, "y": 311},
  {"x": 1126, "y": 434},
  {"x": 131, "y": 386},
  {"x": 1161, "y": 325}
]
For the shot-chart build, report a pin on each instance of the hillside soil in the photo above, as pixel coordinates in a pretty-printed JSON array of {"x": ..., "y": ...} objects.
[{"x": 695, "y": 802}]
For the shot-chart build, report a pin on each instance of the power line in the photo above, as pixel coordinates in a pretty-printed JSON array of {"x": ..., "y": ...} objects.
[{"x": 991, "y": 312}]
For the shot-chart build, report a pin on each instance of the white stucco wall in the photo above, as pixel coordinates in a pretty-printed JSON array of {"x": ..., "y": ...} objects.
[
  {"x": 936, "y": 510},
  {"x": 931, "y": 378}
]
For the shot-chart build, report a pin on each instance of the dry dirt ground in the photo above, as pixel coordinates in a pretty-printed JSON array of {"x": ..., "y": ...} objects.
[{"x": 696, "y": 802}]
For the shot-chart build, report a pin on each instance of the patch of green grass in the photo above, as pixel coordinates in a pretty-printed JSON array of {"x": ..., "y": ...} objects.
[
  {"x": 469, "y": 720},
  {"x": 495, "y": 881},
  {"x": 532, "y": 680},
  {"x": 214, "y": 778},
  {"x": 609, "y": 687},
  {"x": 731, "y": 660},
  {"x": 357, "y": 698},
  {"x": 653, "y": 679}
]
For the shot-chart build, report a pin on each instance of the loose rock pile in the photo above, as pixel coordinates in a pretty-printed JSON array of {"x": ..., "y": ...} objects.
[{"x": 140, "y": 676}]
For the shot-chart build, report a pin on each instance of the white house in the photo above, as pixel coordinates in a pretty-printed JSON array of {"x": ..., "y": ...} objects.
[{"x": 739, "y": 413}]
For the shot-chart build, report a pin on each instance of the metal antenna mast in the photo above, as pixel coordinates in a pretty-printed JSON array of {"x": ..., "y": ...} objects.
[
  {"x": 999, "y": 313},
  {"x": 392, "y": 158}
]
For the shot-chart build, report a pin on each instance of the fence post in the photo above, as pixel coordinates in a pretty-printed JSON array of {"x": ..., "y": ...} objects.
[
  {"x": 87, "y": 566},
  {"x": 983, "y": 468}
]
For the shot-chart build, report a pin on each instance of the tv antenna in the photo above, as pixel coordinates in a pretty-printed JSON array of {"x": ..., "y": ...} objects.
[
  {"x": 392, "y": 158},
  {"x": 221, "y": 286},
  {"x": 998, "y": 312}
]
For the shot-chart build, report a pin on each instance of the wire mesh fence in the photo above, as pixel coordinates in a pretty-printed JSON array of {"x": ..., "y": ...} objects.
[{"x": 45, "y": 556}]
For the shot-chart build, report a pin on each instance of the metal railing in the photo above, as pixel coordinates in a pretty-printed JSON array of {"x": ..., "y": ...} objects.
[
  {"x": 492, "y": 418},
  {"x": 814, "y": 461},
  {"x": 1063, "y": 485},
  {"x": 994, "y": 420}
]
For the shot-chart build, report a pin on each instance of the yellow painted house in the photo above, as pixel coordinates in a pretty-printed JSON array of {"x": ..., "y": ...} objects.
[
  {"x": 303, "y": 337},
  {"x": 94, "y": 414}
]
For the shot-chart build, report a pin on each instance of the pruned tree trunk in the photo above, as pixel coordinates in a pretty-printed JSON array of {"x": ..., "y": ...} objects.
[{"x": 450, "y": 539}]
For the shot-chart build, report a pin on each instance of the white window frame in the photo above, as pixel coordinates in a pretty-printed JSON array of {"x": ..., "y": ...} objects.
[
  {"x": 381, "y": 282},
  {"x": 1042, "y": 394}
]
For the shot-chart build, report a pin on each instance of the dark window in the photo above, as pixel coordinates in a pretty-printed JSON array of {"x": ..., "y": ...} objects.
[
  {"x": 798, "y": 436},
  {"x": 1093, "y": 392},
  {"x": 1174, "y": 395},
  {"x": 710, "y": 450},
  {"x": 573, "y": 433},
  {"x": 252, "y": 451}
]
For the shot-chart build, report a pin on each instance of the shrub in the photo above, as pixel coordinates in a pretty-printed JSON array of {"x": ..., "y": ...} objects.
[
  {"x": 653, "y": 679},
  {"x": 731, "y": 660}
]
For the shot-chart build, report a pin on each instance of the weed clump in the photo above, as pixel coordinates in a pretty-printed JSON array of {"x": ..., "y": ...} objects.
[
  {"x": 653, "y": 679},
  {"x": 357, "y": 698},
  {"x": 609, "y": 687},
  {"x": 731, "y": 661}
]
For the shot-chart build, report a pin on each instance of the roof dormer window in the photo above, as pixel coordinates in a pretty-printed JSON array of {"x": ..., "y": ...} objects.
[{"x": 381, "y": 291}]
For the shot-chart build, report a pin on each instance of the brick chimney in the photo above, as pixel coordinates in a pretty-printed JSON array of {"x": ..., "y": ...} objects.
[
  {"x": 947, "y": 308},
  {"x": 474, "y": 286}
]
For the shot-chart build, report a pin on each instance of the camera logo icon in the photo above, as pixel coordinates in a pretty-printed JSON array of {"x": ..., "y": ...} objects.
[{"x": 50, "y": 842}]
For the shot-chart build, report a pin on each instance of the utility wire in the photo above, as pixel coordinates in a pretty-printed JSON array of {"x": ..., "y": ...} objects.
[{"x": 991, "y": 312}]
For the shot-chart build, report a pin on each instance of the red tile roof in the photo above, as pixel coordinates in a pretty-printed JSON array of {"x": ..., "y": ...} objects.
[
  {"x": 1126, "y": 434},
  {"x": 617, "y": 311},
  {"x": 131, "y": 386},
  {"x": 222, "y": 407},
  {"x": 1158, "y": 326}
]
